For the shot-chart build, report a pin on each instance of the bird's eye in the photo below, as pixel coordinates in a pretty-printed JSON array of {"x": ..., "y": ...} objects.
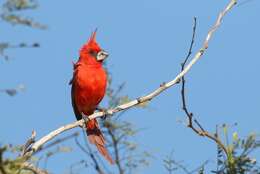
[{"x": 93, "y": 53}]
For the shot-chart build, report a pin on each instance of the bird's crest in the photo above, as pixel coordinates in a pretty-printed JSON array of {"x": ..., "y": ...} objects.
[{"x": 91, "y": 44}]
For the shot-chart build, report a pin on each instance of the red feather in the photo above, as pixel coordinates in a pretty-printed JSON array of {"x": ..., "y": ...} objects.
[{"x": 88, "y": 89}]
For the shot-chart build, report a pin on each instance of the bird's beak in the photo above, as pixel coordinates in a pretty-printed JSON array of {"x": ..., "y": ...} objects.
[{"x": 102, "y": 55}]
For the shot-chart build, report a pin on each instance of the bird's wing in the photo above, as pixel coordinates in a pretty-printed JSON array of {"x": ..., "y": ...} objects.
[{"x": 75, "y": 108}]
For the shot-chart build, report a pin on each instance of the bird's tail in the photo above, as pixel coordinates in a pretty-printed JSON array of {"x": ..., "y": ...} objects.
[{"x": 96, "y": 137}]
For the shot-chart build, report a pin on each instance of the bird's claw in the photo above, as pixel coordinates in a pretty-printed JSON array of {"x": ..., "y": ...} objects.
[{"x": 85, "y": 118}]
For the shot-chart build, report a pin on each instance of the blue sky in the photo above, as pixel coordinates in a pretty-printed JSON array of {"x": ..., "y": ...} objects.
[{"x": 147, "y": 40}]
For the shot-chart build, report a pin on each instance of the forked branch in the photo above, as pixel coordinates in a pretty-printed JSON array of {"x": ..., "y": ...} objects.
[
  {"x": 36, "y": 146},
  {"x": 198, "y": 129}
]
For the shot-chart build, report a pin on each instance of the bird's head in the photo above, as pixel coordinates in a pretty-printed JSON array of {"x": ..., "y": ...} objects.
[{"x": 92, "y": 51}]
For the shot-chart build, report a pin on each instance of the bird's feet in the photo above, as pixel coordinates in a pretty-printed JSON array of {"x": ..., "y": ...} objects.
[
  {"x": 85, "y": 118},
  {"x": 107, "y": 112}
]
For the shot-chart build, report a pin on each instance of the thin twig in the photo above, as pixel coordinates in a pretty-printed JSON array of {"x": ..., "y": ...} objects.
[
  {"x": 191, "y": 43},
  {"x": 28, "y": 143},
  {"x": 81, "y": 162},
  {"x": 115, "y": 146},
  {"x": 92, "y": 156},
  {"x": 184, "y": 107},
  {"x": 182, "y": 167},
  {"x": 146, "y": 98},
  {"x": 201, "y": 166},
  {"x": 200, "y": 130},
  {"x": 97, "y": 158}
]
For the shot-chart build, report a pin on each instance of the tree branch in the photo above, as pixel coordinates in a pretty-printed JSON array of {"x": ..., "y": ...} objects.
[
  {"x": 35, "y": 147},
  {"x": 115, "y": 146},
  {"x": 28, "y": 143},
  {"x": 200, "y": 130},
  {"x": 91, "y": 155}
]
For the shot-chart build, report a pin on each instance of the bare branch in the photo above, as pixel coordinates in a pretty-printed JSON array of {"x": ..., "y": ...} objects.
[
  {"x": 146, "y": 98},
  {"x": 29, "y": 142},
  {"x": 115, "y": 142},
  {"x": 92, "y": 156},
  {"x": 4, "y": 46},
  {"x": 76, "y": 164},
  {"x": 200, "y": 130}
]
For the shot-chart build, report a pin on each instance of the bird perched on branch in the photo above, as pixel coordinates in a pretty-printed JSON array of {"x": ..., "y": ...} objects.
[{"x": 88, "y": 89}]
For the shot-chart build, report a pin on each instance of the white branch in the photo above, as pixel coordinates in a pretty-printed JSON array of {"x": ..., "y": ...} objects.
[{"x": 36, "y": 146}]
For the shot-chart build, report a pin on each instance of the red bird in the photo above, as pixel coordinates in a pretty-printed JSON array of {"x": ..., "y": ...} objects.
[{"x": 88, "y": 89}]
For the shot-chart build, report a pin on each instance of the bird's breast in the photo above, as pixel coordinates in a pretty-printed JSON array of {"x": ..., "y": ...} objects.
[{"x": 90, "y": 86}]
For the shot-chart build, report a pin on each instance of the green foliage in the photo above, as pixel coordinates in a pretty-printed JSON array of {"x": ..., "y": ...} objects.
[
  {"x": 10, "y": 13},
  {"x": 4, "y": 46},
  {"x": 11, "y": 9},
  {"x": 12, "y": 165},
  {"x": 11, "y": 161},
  {"x": 238, "y": 159},
  {"x": 13, "y": 5}
]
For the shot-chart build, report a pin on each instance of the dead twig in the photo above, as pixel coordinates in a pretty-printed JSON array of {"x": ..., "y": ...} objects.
[
  {"x": 91, "y": 155},
  {"x": 28, "y": 143},
  {"x": 199, "y": 129}
]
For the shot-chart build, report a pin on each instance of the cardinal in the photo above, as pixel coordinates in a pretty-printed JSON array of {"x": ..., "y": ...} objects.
[{"x": 88, "y": 89}]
